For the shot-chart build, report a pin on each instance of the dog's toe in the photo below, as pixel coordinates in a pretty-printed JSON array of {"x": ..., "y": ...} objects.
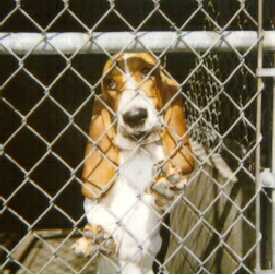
[
  {"x": 94, "y": 232},
  {"x": 83, "y": 247},
  {"x": 108, "y": 247},
  {"x": 95, "y": 240},
  {"x": 163, "y": 187}
]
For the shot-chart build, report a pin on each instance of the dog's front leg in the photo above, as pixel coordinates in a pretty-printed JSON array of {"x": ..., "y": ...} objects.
[{"x": 130, "y": 268}]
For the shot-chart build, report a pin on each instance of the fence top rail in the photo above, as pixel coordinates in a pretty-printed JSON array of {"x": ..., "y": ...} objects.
[{"x": 112, "y": 42}]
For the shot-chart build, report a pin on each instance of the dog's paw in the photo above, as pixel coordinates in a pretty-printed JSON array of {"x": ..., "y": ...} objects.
[
  {"x": 83, "y": 247},
  {"x": 95, "y": 240},
  {"x": 169, "y": 186},
  {"x": 108, "y": 246},
  {"x": 94, "y": 232},
  {"x": 165, "y": 189},
  {"x": 177, "y": 181}
]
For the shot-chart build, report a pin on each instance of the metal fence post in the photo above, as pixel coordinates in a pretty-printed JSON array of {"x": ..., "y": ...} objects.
[
  {"x": 273, "y": 171},
  {"x": 200, "y": 44},
  {"x": 258, "y": 137}
]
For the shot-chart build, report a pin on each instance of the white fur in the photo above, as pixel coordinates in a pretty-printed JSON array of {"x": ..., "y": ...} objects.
[
  {"x": 139, "y": 222},
  {"x": 133, "y": 97}
]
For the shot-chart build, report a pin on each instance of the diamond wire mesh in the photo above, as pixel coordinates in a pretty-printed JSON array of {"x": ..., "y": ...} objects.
[{"x": 217, "y": 112}]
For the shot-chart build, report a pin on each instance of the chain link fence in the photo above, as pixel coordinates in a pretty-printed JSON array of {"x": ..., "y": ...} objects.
[{"x": 51, "y": 60}]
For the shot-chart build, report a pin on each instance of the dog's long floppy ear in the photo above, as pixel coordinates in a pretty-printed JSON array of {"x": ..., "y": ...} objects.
[
  {"x": 175, "y": 139},
  {"x": 101, "y": 156}
]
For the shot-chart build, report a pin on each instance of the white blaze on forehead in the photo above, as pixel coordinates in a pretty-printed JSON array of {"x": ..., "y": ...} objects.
[{"x": 130, "y": 82}]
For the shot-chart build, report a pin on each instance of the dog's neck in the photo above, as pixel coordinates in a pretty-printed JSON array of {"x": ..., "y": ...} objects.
[{"x": 137, "y": 166}]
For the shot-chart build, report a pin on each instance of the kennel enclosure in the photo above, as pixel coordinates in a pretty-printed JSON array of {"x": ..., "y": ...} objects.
[{"x": 51, "y": 59}]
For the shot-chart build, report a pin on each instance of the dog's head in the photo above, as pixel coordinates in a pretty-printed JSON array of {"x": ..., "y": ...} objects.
[
  {"x": 138, "y": 99},
  {"x": 132, "y": 88}
]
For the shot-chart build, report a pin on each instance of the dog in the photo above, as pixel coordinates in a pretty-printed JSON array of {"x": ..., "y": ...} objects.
[{"x": 138, "y": 159}]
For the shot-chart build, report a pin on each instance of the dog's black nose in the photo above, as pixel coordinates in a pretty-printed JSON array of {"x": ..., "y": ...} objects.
[{"x": 135, "y": 117}]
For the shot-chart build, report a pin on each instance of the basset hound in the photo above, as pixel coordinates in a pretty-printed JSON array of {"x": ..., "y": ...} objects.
[{"x": 136, "y": 162}]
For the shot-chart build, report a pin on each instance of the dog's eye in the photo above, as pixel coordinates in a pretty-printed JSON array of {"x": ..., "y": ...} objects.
[
  {"x": 110, "y": 84},
  {"x": 146, "y": 72}
]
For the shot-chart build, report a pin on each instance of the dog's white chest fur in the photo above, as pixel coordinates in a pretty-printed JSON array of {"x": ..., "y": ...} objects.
[{"x": 127, "y": 211}]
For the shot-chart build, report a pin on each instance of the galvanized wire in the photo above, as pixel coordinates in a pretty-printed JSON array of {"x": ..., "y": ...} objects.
[{"x": 206, "y": 93}]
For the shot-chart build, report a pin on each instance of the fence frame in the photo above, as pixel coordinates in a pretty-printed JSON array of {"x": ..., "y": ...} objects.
[
  {"x": 171, "y": 42},
  {"x": 96, "y": 42}
]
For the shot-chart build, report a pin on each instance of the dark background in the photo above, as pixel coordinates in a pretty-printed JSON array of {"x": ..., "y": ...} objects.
[{"x": 69, "y": 91}]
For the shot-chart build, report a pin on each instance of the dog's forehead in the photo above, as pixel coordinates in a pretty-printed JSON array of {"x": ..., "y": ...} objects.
[{"x": 129, "y": 60}]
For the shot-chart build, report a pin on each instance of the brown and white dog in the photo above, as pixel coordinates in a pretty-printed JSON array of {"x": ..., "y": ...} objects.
[{"x": 138, "y": 159}]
